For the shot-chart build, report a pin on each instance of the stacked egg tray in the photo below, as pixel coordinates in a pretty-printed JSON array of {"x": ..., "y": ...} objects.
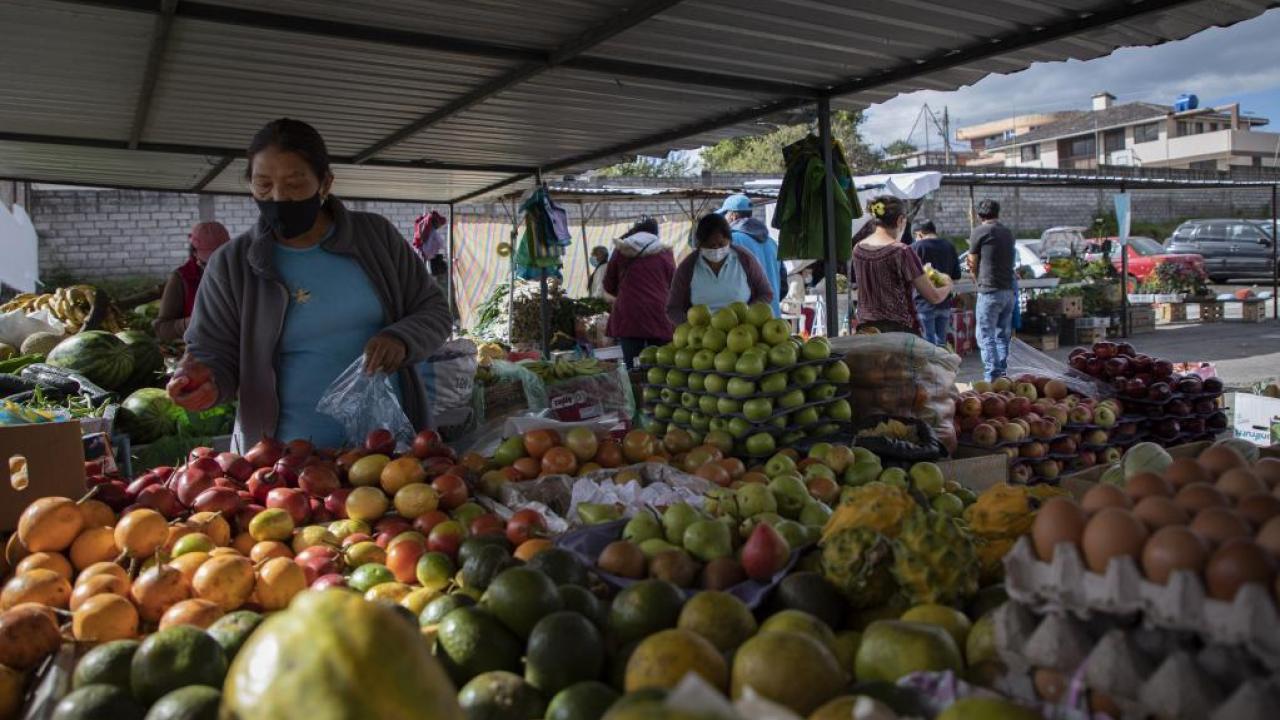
[
  {"x": 1250, "y": 621},
  {"x": 1144, "y": 671},
  {"x": 1147, "y": 415},
  {"x": 774, "y": 425}
]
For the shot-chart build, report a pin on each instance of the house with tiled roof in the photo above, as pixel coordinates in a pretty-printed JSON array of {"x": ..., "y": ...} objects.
[{"x": 1136, "y": 134}]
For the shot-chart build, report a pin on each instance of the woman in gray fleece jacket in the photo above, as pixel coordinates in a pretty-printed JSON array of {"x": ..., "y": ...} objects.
[{"x": 285, "y": 307}]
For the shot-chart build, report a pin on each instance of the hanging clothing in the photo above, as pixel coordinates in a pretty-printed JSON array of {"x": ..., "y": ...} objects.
[
  {"x": 799, "y": 213},
  {"x": 546, "y": 234},
  {"x": 753, "y": 236}
]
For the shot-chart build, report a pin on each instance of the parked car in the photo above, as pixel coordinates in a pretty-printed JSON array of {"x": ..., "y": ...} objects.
[
  {"x": 1144, "y": 255},
  {"x": 1231, "y": 248},
  {"x": 1026, "y": 257},
  {"x": 1061, "y": 242}
]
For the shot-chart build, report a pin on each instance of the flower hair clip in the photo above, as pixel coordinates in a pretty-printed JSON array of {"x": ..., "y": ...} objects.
[{"x": 877, "y": 208}]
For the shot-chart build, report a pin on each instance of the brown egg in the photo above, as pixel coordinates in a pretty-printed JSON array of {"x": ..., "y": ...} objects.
[
  {"x": 1050, "y": 684},
  {"x": 1219, "y": 458},
  {"x": 1268, "y": 470},
  {"x": 1144, "y": 485},
  {"x": 1173, "y": 548},
  {"x": 1158, "y": 512},
  {"x": 1239, "y": 482},
  {"x": 1197, "y": 496},
  {"x": 1112, "y": 532},
  {"x": 1258, "y": 508},
  {"x": 1218, "y": 524},
  {"x": 1059, "y": 520},
  {"x": 1269, "y": 537},
  {"x": 1236, "y": 564},
  {"x": 1183, "y": 471},
  {"x": 1103, "y": 496}
]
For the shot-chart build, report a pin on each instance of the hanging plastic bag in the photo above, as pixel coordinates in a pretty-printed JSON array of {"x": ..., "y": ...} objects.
[
  {"x": 362, "y": 403},
  {"x": 449, "y": 376}
]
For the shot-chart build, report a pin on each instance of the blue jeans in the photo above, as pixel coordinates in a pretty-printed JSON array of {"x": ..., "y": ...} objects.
[
  {"x": 994, "y": 315},
  {"x": 934, "y": 323}
]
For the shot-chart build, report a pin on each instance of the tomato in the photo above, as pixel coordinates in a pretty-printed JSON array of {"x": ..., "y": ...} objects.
[
  {"x": 527, "y": 467},
  {"x": 559, "y": 461},
  {"x": 637, "y": 446},
  {"x": 538, "y": 442},
  {"x": 525, "y": 525},
  {"x": 452, "y": 491},
  {"x": 609, "y": 455},
  {"x": 714, "y": 473}
]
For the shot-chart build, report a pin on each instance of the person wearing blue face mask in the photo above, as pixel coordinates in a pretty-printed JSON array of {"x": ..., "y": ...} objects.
[
  {"x": 287, "y": 306},
  {"x": 717, "y": 273}
]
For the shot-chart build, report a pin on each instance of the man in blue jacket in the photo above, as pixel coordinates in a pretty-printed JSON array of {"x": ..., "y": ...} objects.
[{"x": 753, "y": 235}]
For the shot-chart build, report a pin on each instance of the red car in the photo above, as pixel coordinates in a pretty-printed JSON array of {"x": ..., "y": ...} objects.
[{"x": 1144, "y": 255}]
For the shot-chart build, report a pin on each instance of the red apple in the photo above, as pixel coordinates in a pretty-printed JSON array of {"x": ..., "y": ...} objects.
[
  {"x": 966, "y": 423},
  {"x": 1020, "y": 473},
  {"x": 219, "y": 500},
  {"x": 161, "y": 499},
  {"x": 265, "y": 452},
  {"x": 984, "y": 435},
  {"x": 136, "y": 487},
  {"x": 969, "y": 406},
  {"x": 525, "y": 525},
  {"x": 993, "y": 406},
  {"x": 190, "y": 482},
  {"x": 1063, "y": 446},
  {"x": 1162, "y": 368},
  {"x": 1105, "y": 350},
  {"x": 1125, "y": 349},
  {"x": 1017, "y": 407},
  {"x": 1032, "y": 450},
  {"x": 292, "y": 501},
  {"x": 1117, "y": 367}
]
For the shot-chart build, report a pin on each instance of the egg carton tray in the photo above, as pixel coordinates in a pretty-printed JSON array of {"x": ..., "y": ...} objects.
[
  {"x": 1145, "y": 672},
  {"x": 1250, "y": 620},
  {"x": 831, "y": 360}
]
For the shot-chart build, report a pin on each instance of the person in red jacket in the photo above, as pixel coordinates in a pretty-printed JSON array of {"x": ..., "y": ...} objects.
[{"x": 639, "y": 277}]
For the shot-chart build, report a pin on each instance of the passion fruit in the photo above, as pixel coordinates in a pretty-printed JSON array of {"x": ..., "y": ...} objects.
[
  {"x": 38, "y": 586},
  {"x": 103, "y": 618},
  {"x": 226, "y": 580},
  {"x": 101, "y": 568},
  {"x": 195, "y": 612},
  {"x": 56, "y": 562},
  {"x": 28, "y": 634},
  {"x": 213, "y": 525},
  {"x": 158, "y": 589},
  {"x": 93, "y": 545},
  {"x": 277, "y": 581},
  {"x": 99, "y": 585},
  {"x": 140, "y": 533},
  {"x": 50, "y": 523}
]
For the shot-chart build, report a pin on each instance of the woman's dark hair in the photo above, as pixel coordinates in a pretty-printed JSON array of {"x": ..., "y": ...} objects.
[
  {"x": 886, "y": 211},
  {"x": 711, "y": 224},
  {"x": 292, "y": 136},
  {"x": 645, "y": 225}
]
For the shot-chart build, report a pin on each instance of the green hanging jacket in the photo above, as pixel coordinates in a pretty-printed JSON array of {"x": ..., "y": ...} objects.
[{"x": 798, "y": 216}]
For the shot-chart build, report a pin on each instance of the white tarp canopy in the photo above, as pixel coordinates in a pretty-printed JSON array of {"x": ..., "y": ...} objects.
[{"x": 18, "y": 248}]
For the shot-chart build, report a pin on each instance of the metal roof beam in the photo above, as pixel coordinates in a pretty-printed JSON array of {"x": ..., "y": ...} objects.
[
  {"x": 213, "y": 173},
  {"x": 567, "y": 51},
  {"x": 155, "y": 58}
]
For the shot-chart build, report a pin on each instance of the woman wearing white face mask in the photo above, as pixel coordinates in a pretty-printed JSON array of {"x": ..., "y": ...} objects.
[
  {"x": 887, "y": 272},
  {"x": 717, "y": 274}
]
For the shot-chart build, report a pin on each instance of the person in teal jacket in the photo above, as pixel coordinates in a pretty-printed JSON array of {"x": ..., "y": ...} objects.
[{"x": 753, "y": 236}]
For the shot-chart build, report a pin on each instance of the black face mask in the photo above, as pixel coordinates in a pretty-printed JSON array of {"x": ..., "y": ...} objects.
[{"x": 290, "y": 218}]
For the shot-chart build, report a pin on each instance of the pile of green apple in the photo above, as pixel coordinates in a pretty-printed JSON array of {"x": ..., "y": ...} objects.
[
  {"x": 945, "y": 496},
  {"x": 741, "y": 371}
]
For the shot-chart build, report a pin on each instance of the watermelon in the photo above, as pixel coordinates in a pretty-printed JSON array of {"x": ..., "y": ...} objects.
[
  {"x": 40, "y": 343},
  {"x": 147, "y": 415},
  {"x": 148, "y": 363},
  {"x": 96, "y": 354}
]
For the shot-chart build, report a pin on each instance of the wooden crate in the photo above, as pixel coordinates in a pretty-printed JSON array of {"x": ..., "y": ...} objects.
[
  {"x": 1070, "y": 307},
  {"x": 1171, "y": 312},
  {"x": 1040, "y": 342},
  {"x": 1142, "y": 319}
]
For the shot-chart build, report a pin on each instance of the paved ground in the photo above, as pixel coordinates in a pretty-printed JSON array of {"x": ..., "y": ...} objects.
[{"x": 1244, "y": 353}]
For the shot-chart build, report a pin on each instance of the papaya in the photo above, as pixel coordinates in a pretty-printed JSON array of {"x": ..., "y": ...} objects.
[{"x": 349, "y": 659}]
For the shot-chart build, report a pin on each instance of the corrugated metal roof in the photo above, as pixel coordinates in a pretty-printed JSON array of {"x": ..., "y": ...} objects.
[{"x": 560, "y": 84}]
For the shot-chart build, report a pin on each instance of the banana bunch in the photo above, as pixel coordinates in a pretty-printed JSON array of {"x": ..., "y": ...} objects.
[
  {"x": 892, "y": 429},
  {"x": 70, "y": 305},
  {"x": 563, "y": 369},
  {"x": 935, "y": 277}
]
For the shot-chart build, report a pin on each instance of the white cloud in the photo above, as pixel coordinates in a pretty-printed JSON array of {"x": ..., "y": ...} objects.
[{"x": 1218, "y": 65}]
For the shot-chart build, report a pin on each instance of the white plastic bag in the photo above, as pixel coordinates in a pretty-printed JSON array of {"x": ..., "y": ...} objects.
[
  {"x": 361, "y": 403},
  {"x": 16, "y": 325},
  {"x": 449, "y": 376}
]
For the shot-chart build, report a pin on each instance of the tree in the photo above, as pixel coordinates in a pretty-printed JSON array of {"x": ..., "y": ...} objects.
[
  {"x": 896, "y": 149},
  {"x": 650, "y": 167},
  {"x": 763, "y": 153}
]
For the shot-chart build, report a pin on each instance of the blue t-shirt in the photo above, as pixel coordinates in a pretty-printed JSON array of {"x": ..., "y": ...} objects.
[
  {"x": 719, "y": 291},
  {"x": 333, "y": 312}
]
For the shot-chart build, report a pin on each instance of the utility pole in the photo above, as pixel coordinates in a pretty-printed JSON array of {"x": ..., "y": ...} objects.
[{"x": 946, "y": 135}]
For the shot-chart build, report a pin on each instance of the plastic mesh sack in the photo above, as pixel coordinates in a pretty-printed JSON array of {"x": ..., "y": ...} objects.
[
  {"x": 362, "y": 402},
  {"x": 905, "y": 376}
]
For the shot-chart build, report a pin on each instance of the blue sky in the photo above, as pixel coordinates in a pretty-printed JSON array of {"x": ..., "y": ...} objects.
[{"x": 1220, "y": 65}]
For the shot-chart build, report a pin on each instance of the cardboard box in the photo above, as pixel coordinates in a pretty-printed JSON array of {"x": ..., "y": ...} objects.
[
  {"x": 54, "y": 460},
  {"x": 1071, "y": 306},
  {"x": 1040, "y": 342},
  {"x": 1255, "y": 418}
]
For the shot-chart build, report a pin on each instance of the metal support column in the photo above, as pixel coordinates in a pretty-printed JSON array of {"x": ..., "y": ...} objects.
[
  {"x": 829, "y": 218},
  {"x": 448, "y": 277},
  {"x": 1124, "y": 277},
  {"x": 544, "y": 306},
  {"x": 1275, "y": 258}
]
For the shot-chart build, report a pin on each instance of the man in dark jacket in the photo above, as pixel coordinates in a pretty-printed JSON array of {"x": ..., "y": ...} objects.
[
  {"x": 753, "y": 236},
  {"x": 932, "y": 250}
]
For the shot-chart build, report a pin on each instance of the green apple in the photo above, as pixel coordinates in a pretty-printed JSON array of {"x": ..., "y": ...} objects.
[
  {"x": 708, "y": 540},
  {"x": 714, "y": 340},
  {"x": 760, "y": 444},
  {"x": 793, "y": 399},
  {"x": 840, "y": 411},
  {"x": 724, "y": 320},
  {"x": 794, "y": 533},
  {"x": 818, "y": 393},
  {"x": 774, "y": 383},
  {"x": 667, "y": 355},
  {"x": 669, "y": 396},
  {"x": 815, "y": 514},
  {"x": 740, "y": 339},
  {"x": 697, "y": 382},
  {"x": 894, "y": 476},
  {"x": 650, "y": 395},
  {"x": 696, "y": 436},
  {"x": 681, "y": 417},
  {"x": 728, "y": 406},
  {"x": 779, "y": 465},
  {"x": 739, "y": 428},
  {"x": 837, "y": 372},
  {"x": 793, "y": 437},
  {"x": 726, "y": 360},
  {"x": 707, "y": 404},
  {"x": 757, "y": 409},
  {"x": 819, "y": 451},
  {"x": 776, "y": 331},
  {"x": 739, "y": 309},
  {"x": 656, "y": 376},
  {"x": 644, "y": 526},
  {"x": 655, "y": 427},
  {"x": 805, "y": 417},
  {"x": 699, "y": 421},
  {"x": 802, "y": 376},
  {"x": 677, "y": 378},
  {"x": 782, "y": 356},
  {"x": 680, "y": 338},
  {"x": 649, "y": 355},
  {"x": 861, "y": 473},
  {"x": 699, "y": 316},
  {"x": 927, "y": 478},
  {"x": 819, "y": 470},
  {"x": 703, "y": 360},
  {"x": 822, "y": 431},
  {"x": 750, "y": 363},
  {"x": 759, "y": 313},
  {"x": 662, "y": 412},
  {"x": 740, "y": 388},
  {"x": 718, "y": 424},
  {"x": 817, "y": 349},
  {"x": 791, "y": 494},
  {"x": 755, "y": 498},
  {"x": 781, "y": 422},
  {"x": 714, "y": 384},
  {"x": 695, "y": 337},
  {"x": 863, "y": 455},
  {"x": 721, "y": 440},
  {"x": 688, "y": 400}
]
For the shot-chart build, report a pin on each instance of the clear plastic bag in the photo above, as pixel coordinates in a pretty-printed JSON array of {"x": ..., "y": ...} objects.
[
  {"x": 1026, "y": 360},
  {"x": 903, "y": 375},
  {"x": 363, "y": 402}
]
